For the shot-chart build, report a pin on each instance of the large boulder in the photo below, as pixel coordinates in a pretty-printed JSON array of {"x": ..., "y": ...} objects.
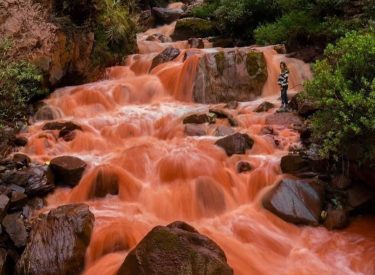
[
  {"x": 167, "y": 55},
  {"x": 176, "y": 249},
  {"x": 235, "y": 144},
  {"x": 230, "y": 75},
  {"x": 165, "y": 15},
  {"x": 192, "y": 27},
  {"x": 296, "y": 201},
  {"x": 67, "y": 170},
  {"x": 58, "y": 242}
]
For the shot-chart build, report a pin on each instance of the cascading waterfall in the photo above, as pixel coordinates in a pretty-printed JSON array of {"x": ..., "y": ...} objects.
[{"x": 144, "y": 171}]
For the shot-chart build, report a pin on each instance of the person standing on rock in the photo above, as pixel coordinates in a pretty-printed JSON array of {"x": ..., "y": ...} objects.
[{"x": 283, "y": 82}]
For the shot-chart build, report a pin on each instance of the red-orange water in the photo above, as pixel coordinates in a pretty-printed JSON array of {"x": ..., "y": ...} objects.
[{"x": 133, "y": 140}]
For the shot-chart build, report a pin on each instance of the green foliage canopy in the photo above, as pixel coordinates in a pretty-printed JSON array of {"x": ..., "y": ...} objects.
[{"x": 344, "y": 88}]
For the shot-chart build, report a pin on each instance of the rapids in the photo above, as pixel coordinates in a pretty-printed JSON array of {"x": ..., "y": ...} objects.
[{"x": 133, "y": 139}]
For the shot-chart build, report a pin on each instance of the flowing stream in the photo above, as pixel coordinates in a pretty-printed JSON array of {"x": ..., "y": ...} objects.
[{"x": 134, "y": 143}]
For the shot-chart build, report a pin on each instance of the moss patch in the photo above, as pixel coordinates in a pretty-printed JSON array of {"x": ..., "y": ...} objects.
[
  {"x": 256, "y": 65},
  {"x": 193, "y": 27},
  {"x": 220, "y": 62}
]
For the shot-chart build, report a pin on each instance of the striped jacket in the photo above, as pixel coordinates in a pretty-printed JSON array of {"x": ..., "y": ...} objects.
[{"x": 283, "y": 79}]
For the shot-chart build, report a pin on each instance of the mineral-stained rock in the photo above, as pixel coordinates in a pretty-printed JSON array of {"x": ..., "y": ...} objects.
[
  {"x": 294, "y": 164},
  {"x": 285, "y": 119},
  {"x": 199, "y": 119},
  {"x": 15, "y": 227},
  {"x": 58, "y": 242},
  {"x": 243, "y": 166},
  {"x": 336, "y": 219},
  {"x": 176, "y": 249},
  {"x": 167, "y": 55},
  {"x": 196, "y": 43},
  {"x": 4, "y": 203},
  {"x": 235, "y": 144},
  {"x": 67, "y": 170},
  {"x": 264, "y": 107},
  {"x": 195, "y": 130},
  {"x": 223, "y": 130},
  {"x": 296, "y": 201},
  {"x": 5, "y": 262},
  {"x": 230, "y": 75},
  {"x": 166, "y": 15},
  {"x": 32, "y": 180},
  {"x": 220, "y": 113}
]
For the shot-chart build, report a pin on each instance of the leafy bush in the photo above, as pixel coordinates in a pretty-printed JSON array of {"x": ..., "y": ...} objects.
[
  {"x": 237, "y": 18},
  {"x": 344, "y": 88},
  {"x": 287, "y": 28},
  {"x": 20, "y": 83},
  {"x": 115, "y": 33},
  {"x": 240, "y": 18}
]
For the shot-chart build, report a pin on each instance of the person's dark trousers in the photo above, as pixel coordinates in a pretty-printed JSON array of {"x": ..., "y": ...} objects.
[{"x": 284, "y": 96}]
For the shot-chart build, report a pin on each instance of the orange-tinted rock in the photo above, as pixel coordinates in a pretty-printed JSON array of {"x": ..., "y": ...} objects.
[
  {"x": 235, "y": 144},
  {"x": 264, "y": 107},
  {"x": 67, "y": 170},
  {"x": 336, "y": 219},
  {"x": 58, "y": 242},
  {"x": 285, "y": 119}
]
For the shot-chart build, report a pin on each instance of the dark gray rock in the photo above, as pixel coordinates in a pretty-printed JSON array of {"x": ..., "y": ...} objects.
[
  {"x": 235, "y": 144},
  {"x": 296, "y": 201},
  {"x": 167, "y": 55}
]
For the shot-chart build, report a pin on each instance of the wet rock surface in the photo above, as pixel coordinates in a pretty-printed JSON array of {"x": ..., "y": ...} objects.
[
  {"x": 235, "y": 144},
  {"x": 244, "y": 166},
  {"x": 195, "y": 130},
  {"x": 166, "y": 15},
  {"x": 230, "y": 75},
  {"x": 199, "y": 119},
  {"x": 67, "y": 170},
  {"x": 296, "y": 201},
  {"x": 285, "y": 119},
  {"x": 176, "y": 249},
  {"x": 167, "y": 55},
  {"x": 58, "y": 242},
  {"x": 264, "y": 107},
  {"x": 14, "y": 226}
]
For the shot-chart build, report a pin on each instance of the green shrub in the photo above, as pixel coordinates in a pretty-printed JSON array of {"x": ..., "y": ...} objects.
[
  {"x": 20, "y": 83},
  {"x": 344, "y": 88},
  {"x": 240, "y": 18},
  {"x": 287, "y": 28},
  {"x": 115, "y": 33}
]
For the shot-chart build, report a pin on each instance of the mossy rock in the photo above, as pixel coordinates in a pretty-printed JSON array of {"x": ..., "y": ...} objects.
[
  {"x": 192, "y": 27},
  {"x": 220, "y": 61},
  {"x": 230, "y": 75},
  {"x": 176, "y": 249},
  {"x": 256, "y": 65}
]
